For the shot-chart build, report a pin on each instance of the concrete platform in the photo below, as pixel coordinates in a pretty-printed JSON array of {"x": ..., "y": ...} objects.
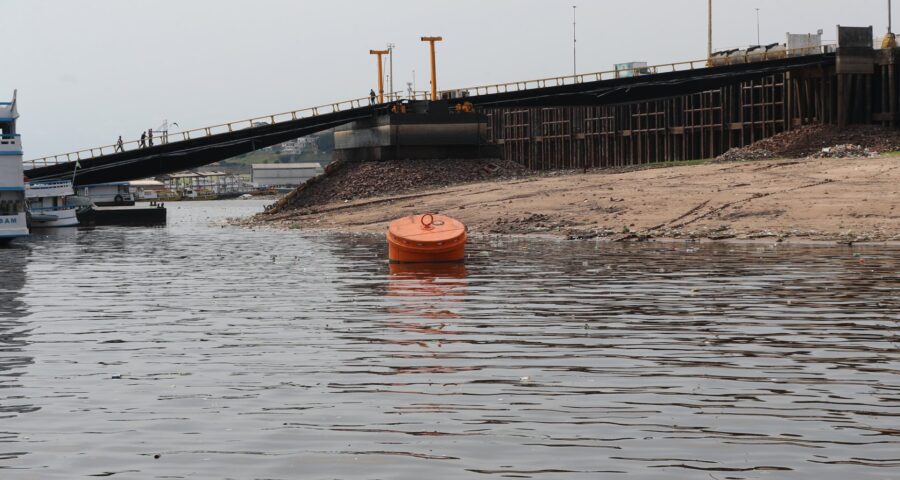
[
  {"x": 127, "y": 216},
  {"x": 427, "y": 130}
]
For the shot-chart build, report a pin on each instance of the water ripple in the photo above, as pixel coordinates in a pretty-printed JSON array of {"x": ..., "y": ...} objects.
[{"x": 195, "y": 351}]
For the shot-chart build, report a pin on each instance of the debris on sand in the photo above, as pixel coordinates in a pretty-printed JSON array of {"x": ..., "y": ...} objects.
[
  {"x": 745, "y": 154},
  {"x": 819, "y": 141},
  {"x": 811, "y": 139},
  {"x": 845, "y": 151},
  {"x": 534, "y": 223}
]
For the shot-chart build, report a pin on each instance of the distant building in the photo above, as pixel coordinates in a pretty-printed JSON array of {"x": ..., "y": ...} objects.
[
  {"x": 283, "y": 174},
  {"x": 203, "y": 183},
  {"x": 147, "y": 189},
  {"x": 300, "y": 146}
]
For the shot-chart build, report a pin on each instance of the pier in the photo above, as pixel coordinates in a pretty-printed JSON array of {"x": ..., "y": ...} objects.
[{"x": 677, "y": 111}]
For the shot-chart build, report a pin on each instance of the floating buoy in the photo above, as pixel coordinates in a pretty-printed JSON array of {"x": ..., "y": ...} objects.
[{"x": 426, "y": 238}]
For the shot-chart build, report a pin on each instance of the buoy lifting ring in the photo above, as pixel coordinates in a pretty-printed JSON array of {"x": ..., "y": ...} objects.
[{"x": 431, "y": 223}]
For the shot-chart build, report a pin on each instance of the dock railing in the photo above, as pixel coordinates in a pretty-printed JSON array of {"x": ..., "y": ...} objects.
[
  {"x": 747, "y": 57},
  {"x": 167, "y": 137}
]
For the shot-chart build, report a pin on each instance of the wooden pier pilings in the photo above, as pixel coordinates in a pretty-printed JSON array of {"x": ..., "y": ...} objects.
[{"x": 860, "y": 88}]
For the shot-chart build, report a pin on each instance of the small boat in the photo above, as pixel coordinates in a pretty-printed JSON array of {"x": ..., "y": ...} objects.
[
  {"x": 428, "y": 238},
  {"x": 49, "y": 205}
]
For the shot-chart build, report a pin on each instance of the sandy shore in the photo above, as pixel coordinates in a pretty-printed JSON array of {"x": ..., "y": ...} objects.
[{"x": 844, "y": 200}]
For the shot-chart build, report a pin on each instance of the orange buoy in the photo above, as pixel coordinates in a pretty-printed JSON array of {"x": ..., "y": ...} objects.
[{"x": 426, "y": 238}]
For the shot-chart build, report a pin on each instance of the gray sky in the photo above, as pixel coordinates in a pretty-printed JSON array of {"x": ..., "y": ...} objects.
[{"x": 89, "y": 70}]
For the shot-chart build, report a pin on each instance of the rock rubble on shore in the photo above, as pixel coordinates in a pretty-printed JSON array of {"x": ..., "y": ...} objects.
[
  {"x": 819, "y": 141},
  {"x": 353, "y": 181},
  {"x": 745, "y": 154}
]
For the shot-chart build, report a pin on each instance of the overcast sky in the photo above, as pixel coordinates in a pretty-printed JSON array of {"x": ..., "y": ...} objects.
[{"x": 90, "y": 70}]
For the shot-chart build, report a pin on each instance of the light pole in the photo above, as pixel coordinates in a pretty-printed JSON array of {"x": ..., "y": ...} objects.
[
  {"x": 380, "y": 53},
  {"x": 432, "y": 40},
  {"x": 574, "y": 42},
  {"x": 758, "y": 42},
  {"x": 391, "y": 69},
  {"x": 890, "y": 18},
  {"x": 709, "y": 49},
  {"x": 890, "y": 41}
]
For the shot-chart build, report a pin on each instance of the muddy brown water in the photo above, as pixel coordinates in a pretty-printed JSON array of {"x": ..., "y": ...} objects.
[{"x": 197, "y": 351}]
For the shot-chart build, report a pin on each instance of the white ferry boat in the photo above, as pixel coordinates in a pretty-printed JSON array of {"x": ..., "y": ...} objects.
[
  {"x": 50, "y": 204},
  {"x": 13, "y": 221}
]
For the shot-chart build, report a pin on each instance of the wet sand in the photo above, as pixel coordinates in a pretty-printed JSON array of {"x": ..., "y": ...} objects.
[{"x": 844, "y": 200}]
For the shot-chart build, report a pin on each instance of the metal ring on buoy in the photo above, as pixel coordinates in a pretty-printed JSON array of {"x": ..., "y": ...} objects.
[{"x": 430, "y": 223}]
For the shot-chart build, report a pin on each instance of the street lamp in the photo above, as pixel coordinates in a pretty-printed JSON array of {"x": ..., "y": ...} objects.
[
  {"x": 709, "y": 48},
  {"x": 391, "y": 47},
  {"x": 574, "y": 43},
  {"x": 890, "y": 41},
  {"x": 758, "y": 42}
]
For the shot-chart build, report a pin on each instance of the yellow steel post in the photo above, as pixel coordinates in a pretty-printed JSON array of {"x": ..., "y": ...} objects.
[
  {"x": 379, "y": 53},
  {"x": 431, "y": 41}
]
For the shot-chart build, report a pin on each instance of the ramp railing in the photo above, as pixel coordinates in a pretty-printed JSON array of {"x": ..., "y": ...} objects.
[{"x": 163, "y": 138}]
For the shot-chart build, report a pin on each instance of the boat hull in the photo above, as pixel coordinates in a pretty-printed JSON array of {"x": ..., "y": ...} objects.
[
  {"x": 13, "y": 226},
  {"x": 63, "y": 218}
]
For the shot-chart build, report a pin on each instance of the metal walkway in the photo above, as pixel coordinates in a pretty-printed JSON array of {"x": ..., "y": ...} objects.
[
  {"x": 193, "y": 148},
  {"x": 198, "y": 147}
]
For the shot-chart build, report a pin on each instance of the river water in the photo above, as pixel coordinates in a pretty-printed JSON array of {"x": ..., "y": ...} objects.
[{"x": 202, "y": 351}]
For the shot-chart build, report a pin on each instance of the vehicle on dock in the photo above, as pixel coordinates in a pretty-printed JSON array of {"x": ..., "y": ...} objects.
[
  {"x": 13, "y": 217},
  {"x": 50, "y": 204},
  {"x": 116, "y": 194}
]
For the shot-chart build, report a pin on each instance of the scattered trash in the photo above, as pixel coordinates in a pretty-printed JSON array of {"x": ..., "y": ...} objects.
[
  {"x": 811, "y": 139},
  {"x": 745, "y": 154},
  {"x": 845, "y": 151}
]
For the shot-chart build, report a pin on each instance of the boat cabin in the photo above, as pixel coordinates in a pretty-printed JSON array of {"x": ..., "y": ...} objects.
[
  {"x": 13, "y": 220},
  {"x": 49, "y": 204}
]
